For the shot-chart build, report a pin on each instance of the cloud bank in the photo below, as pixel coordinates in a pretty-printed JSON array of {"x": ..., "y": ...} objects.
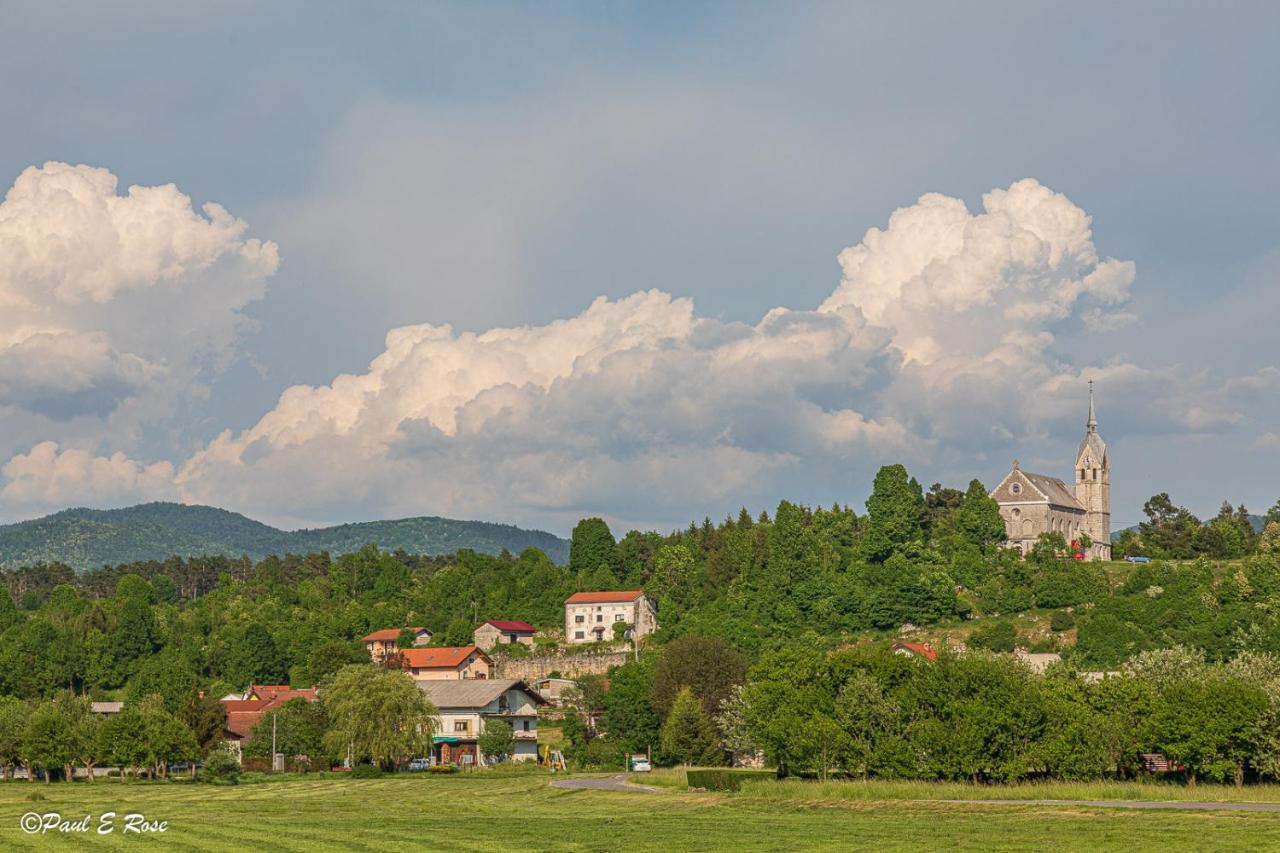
[
  {"x": 114, "y": 308},
  {"x": 937, "y": 346}
]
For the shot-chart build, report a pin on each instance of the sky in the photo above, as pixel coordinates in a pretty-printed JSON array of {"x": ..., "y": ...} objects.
[{"x": 323, "y": 262}]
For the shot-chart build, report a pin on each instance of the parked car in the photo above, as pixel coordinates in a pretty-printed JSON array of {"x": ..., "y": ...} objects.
[
  {"x": 1136, "y": 559},
  {"x": 640, "y": 765},
  {"x": 418, "y": 764}
]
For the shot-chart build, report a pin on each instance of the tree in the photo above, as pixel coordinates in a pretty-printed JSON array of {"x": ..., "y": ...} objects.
[
  {"x": 205, "y": 718},
  {"x": 498, "y": 740},
  {"x": 296, "y": 728},
  {"x": 687, "y": 734},
  {"x": 45, "y": 743},
  {"x": 1207, "y": 724},
  {"x": 629, "y": 717},
  {"x": 122, "y": 740},
  {"x": 731, "y": 724},
  {"x": 166, "y": 674},
  {"x": 980, "y": 522},
  {"x": 13, "y": 724},
  {"x": 254, "y": 658},
  {"x": 710, "y": 668},
  {"x": 893, "y": 513},
  {"x": 377, "y": 714},
  {"x": 866, "y": 718},
  {"x": 591, "y": 547},
  {"x": 998, "y": 636}
]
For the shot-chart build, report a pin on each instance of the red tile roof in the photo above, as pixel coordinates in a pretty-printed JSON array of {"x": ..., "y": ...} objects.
[
  {"x": 389, "y": 634},
  {"x": 604, "y": 597},
  {"x": 449, "y": 657},
  {"x": 243, "y": 714},
  {"x": 918, "y": 649},
  {"x": 510, "y": 625}
]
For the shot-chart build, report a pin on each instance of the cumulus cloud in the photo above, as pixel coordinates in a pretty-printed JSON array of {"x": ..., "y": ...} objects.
[
  {"x": 50, "y": 477},
  {"x": 114, "y": 306},
  {"x": 938, "y": 344}
]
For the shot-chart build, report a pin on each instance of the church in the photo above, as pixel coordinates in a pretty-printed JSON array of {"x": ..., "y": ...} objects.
[{"x": 1032, "y": 504}]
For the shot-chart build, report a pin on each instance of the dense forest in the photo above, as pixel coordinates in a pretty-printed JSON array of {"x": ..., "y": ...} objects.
[
  {"x": 88, "y": 539},
  {"x": 753, "y": 590}
]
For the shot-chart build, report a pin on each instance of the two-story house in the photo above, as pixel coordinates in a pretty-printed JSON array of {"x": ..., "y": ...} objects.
[
  {"x": 466, "y": 707},
  {"x": 589, "y": 617},
  {"x": 381, "y": 644},
  {"x": 499, "y": 631},
  {"x": 448, "y": 663}
]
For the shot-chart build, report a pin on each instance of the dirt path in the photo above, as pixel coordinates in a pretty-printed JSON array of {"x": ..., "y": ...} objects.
[{"x": 597, "y": 783}]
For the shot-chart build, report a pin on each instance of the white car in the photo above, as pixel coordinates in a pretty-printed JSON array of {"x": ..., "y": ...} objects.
[
  {"x": 640, "y": 765},
  {"x": 418, "y": 764}
]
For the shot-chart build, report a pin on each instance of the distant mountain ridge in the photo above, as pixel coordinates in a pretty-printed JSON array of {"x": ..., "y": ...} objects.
[{"x": 88, "y": 538}]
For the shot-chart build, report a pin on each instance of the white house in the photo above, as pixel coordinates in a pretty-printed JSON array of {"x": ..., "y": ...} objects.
[
  {"x": 466, "y": 707},
  {"x": 589, "y": 617}
]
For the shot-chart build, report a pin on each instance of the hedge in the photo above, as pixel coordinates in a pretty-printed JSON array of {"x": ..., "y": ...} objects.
[{"x": 725, "y": 780}]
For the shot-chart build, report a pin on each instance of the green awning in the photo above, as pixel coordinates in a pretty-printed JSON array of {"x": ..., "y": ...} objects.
[{"x": 446, "y": 740}]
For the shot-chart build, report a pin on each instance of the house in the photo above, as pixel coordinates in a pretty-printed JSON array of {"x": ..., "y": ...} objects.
[
  {"x": 915, "y": 650},
  {"x": 386, "y": 642},
  {"x": 501, "y": 631},
  {"x": 106, "y": 709},
  {"x": 244, "y": 712},
  {"x": 554, "y": 690},
  {"x": 448, "y": 663},
  {"x": 589, "y": 617},
  {"x": 466, "y": 707}
]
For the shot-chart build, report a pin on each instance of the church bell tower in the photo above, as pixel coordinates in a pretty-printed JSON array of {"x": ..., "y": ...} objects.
[{"x": 1093, "y": 486}]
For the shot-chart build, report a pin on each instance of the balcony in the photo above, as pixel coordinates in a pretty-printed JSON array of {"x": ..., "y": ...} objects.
[{"x": 523, "y": 735}]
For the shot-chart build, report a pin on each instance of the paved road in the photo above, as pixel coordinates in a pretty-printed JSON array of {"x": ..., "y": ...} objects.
[
  {"x": 1132, "y": 804},
  {"x": 597, "y": 783}
]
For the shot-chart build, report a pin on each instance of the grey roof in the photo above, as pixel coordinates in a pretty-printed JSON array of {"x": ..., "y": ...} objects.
[
  {"x": 472, "y": 692},
  {"x": 1094, "y": 442},
  {"x": 106, "y": 707},
  {"x": 1054, "y": 489}
]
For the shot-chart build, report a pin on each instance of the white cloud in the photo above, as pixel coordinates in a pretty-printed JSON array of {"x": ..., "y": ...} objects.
[
  {"x": 113, "y": 308},
  {"x": 49, "y": 477},
  {"x": 937, "y": 346}
]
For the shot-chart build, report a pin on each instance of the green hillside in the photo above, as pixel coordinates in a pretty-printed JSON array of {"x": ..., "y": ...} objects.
[{"x": 88, "y": 538}]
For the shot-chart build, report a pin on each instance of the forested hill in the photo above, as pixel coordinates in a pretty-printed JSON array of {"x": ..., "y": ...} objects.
[{"x": 87, "y": 538}]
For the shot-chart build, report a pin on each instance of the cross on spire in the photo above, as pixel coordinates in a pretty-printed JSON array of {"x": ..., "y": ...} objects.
[{"x": 1093, "y": 418}]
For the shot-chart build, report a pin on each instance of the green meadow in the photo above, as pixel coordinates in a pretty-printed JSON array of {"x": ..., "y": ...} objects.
[{"x": 520, "y": 811}]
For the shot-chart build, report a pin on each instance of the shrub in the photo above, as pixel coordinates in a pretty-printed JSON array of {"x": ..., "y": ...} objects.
[
  {"x": 603, "y": 752},
  {"x": 220, "y": 768},
  {"x": 725, "y": 780},
  {"x": 443, "y": 768},
  {"x": 1061, "y": 620},
  {"x": 366, "y": 771},
  {"x": 996, "y": 636}
]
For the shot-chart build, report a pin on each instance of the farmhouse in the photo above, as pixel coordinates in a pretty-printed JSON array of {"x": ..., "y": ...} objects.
[
  {"x": 589, "y": 617},
  {"x": 385, "y": 642},
  {"x": 449, "y": 663},
  {"x": 243, "y": 713},
  {"x": 466, "y": 707},
  {"x": 1032, "y": 504},
  {"x": 501, "y": 631}
]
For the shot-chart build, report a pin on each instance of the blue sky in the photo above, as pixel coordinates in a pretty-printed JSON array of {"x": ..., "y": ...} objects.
[{"x": 489, "y": 166}]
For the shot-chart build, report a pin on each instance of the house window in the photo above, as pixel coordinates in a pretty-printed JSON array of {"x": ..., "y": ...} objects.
[
  {"x": 599, "y": 617},
  {"x": 461, "y": 726},
  {"x": 578, "y": 619},
  {"x": 619, "y": 617},
  {"x": 578, "y": 635},
  {"x": 526, "y": 725}
]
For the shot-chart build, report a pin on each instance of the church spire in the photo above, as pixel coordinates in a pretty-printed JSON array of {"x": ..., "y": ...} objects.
[{"x": 1093, "y": 418}]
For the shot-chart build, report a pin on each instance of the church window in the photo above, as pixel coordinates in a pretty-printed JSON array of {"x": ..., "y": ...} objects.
[
  {"x": 1016, "y": 512},
  {"x": 1016, "y": 488}
]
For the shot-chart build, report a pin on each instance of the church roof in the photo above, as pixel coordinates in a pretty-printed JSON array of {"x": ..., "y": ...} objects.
[
  {"x": 1039, "y": 488},
  {"x": 1053, "y": 489}
]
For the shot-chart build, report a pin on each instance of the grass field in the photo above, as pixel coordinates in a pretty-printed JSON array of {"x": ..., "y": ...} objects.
[{"x": 493, "y": 811}]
